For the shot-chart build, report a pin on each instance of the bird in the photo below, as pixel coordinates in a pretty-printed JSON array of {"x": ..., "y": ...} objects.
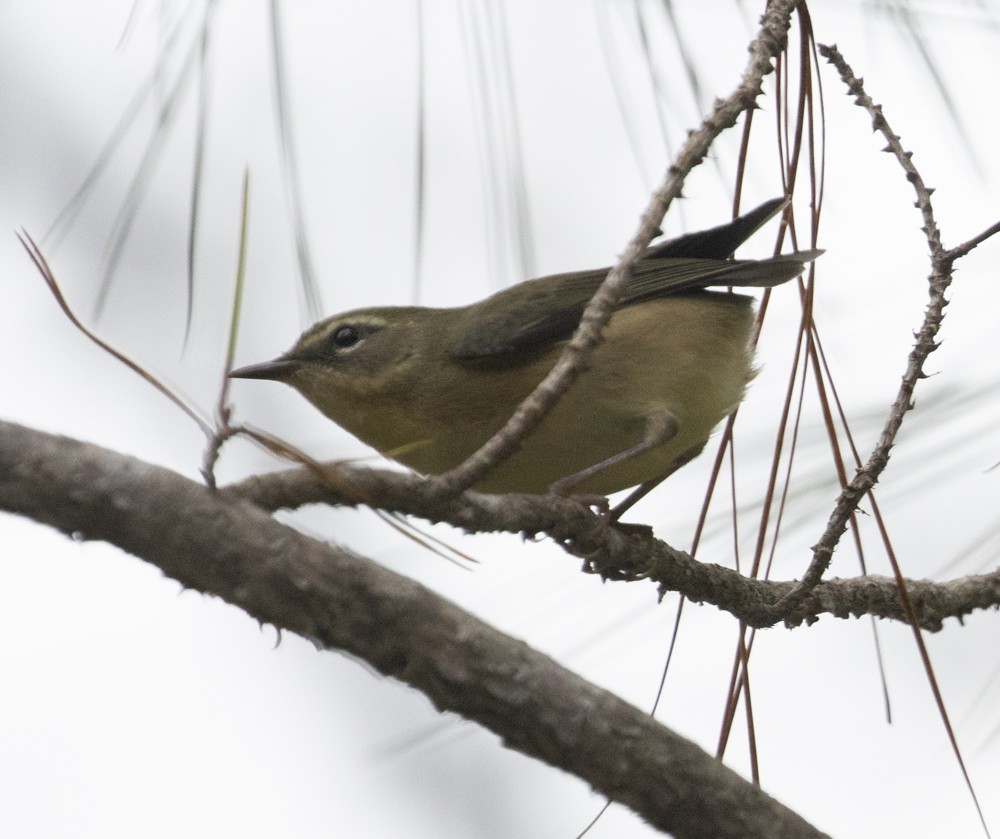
[{"x": 428, "y": 386}]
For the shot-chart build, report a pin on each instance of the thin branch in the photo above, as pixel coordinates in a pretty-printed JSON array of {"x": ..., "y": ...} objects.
[
  {"x": 942, "y": 265},
  {"x": 770, "y": 40},
  {"x": 961, "y": 250},
  {"x": 223, "y": 411},
  {"x": 939, "y": 281}
]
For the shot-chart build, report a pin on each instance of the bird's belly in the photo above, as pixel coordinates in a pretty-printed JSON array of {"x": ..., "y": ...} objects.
[{"x": 658, "y": 361}]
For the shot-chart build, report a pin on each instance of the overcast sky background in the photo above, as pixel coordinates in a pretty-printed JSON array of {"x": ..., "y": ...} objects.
[{"x": 131, "y": 708}]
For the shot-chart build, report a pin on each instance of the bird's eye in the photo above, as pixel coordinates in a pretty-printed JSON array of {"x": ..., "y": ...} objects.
[{"x": 345, "y": 336}]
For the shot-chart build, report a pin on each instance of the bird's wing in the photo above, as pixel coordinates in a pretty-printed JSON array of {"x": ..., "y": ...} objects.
[
  {"x": 532, "y": 316},
  {"x": 722, "y": 241}
]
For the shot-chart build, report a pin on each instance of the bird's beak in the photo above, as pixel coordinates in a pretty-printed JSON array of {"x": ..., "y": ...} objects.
[{"x": 279, "y": 370}]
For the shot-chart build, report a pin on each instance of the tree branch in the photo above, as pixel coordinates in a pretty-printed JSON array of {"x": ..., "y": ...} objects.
[
  {"x": 623, "y": 554},
  {"x": 926, "y": 337},
  {"x": 232, "y": 549}
]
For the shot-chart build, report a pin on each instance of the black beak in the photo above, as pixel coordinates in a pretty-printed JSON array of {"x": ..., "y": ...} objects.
[{"x": 279, "y": 370}]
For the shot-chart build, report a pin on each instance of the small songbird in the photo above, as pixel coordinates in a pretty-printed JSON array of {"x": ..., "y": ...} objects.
[{"x": 427, "y": 387}]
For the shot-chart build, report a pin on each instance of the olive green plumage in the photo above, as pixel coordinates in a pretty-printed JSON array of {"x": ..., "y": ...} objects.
[{"x": 428, "y": 387}]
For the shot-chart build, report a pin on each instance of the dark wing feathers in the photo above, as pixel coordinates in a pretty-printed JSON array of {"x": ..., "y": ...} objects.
[
  {"x": 719, "y": 242},
  {"x": 533, "y": 315},
  {"x": 525, "y": 317},
  {"x": 663, "y": 277}
]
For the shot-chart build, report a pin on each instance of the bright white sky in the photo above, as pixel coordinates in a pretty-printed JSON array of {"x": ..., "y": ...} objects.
[{"x": 130, "y": 708}]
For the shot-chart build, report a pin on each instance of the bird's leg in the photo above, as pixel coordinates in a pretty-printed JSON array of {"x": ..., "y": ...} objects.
[
  {"x": 646, "y": 487},
  {"x": 661, "y": 427}
]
